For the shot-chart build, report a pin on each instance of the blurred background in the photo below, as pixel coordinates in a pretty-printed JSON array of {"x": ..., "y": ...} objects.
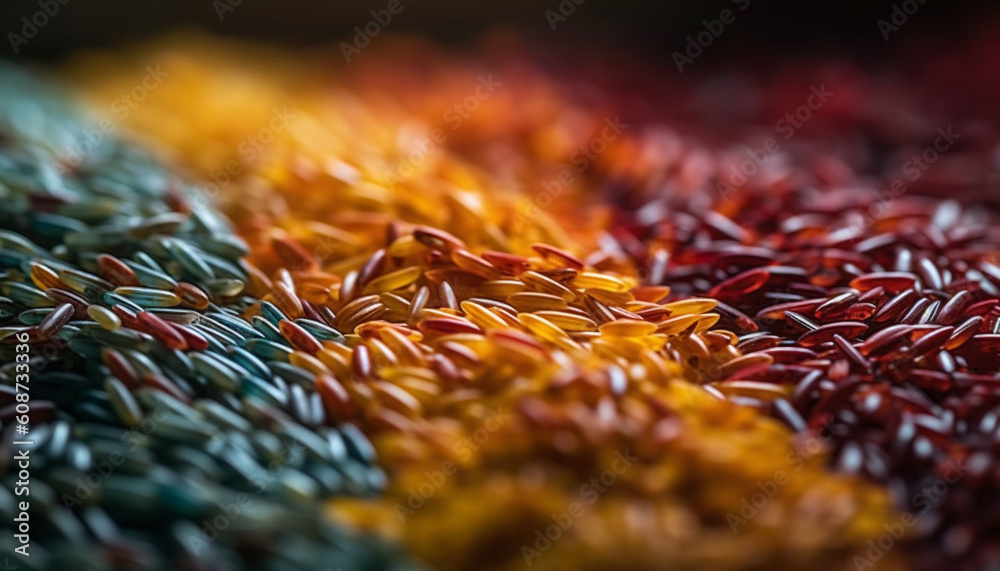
[{"x": 768, "y": 28}]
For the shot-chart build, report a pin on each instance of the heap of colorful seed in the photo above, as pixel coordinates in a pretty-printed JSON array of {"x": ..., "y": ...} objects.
[
  {"x": 167, "y": 431},
  {"x": 887, "y": 331},
  {"x": 448, "y": 332},
  {"x": 865, "y": 290}
]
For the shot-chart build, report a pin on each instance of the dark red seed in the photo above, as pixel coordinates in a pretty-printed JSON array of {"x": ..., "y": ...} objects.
[
  {"x": 299, "y": 337},
  {"x": 517, "y": 265},
  {"x": 373, "y": 267},
  {"x": 872, "y": 295},
  {"x": 931, "y": 312},
  {"x": 952, "y": 311},
  {"x": 835, "y": 305},
  {"x": 978, "y": 308},
  {"x": 915, "y": 311},
  {"x": 893, "y": 282},
  {"x": 437, "y": 238},
  {"x": 195, "y": 341},
  {"x": 777, "y": 312},
  {"x": 78, "y": 302},
  {"x": 54, "y": 321},
  {"x": 740, "y": 320},
  {"x": 309, "y": 310},
  {"x": 740, "y": 284},
  {"x": 801, "y": 321},
  {"x": 964, "y": 332},
  {"x": 931, "y": 342},
  {"x": 930, "y": 274},
  {"x": 164, "y": 384},
  {"x": 447, "y": 326},
  {"x": 563, "y": 256},
  {"x": 725, "y": 227},
  {"x": 361, "y": 361},
  {"x": 116, "y": 271},
  {"x": 991, "y": 272},
  {"x": 790, "y": 354},
  {"x": 161, "y": 330},
  {"x": 293, "y": 254},
  {"x": 850, "y": 352},
  {"x": 857, "y": 312},
  {"x": 120, "y": 367},
  {"x": 191, "y": 296},
  {"x": 885, "y": 340},
  {"x": 806, "y": 388},
  {"x": 757, "y": 342},
  {"x": 127, "y": 317},
  {"x": 895, "y": 306},
  {"x": 929, "y": 380}
]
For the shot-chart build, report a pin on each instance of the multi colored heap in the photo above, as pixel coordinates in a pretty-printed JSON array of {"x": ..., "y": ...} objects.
[
  {"x": 573, "y": 337},
  {"x": 497, "y": 372}
]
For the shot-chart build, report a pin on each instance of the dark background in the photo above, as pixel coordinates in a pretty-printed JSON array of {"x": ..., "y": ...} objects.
[{"x": 768, "y": 28}]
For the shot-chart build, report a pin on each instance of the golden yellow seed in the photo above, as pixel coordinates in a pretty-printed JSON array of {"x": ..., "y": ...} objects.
[
  {"x": 382, "y": 355},
  {"x": 406, "y": 350},
  {"x": 44, "y": 278},
  {"x": 594, "y": 280},
  {"x": 393, "y": 280},
  {"x": 693, "y": 305},
  {"x": 541, "y": 327},
  {"x": 424, "y": 390},
  {"x": 500, "y": 289},
  {"x": 755, "y": 389},
  {"x": 547, "y": 285},
  {"x": 706, "y": 321},
  {"x": 402, "y": 247},
  {"x": 531, "y": 301},
  {"x": 396, "y": 304},
  {"x": 675, "y": 325},
  {"x": 482, "y": 316},
  {"x": 104, "y": 317},
  {"x": 306, "y": 361},
  {"x": 568, "y": 321},
  {"x": 339, "y": 364},
  {"x": 439, "y": 313},
  {"x": 627, "y": 328},
  {"x": 400, "y": 374},
  {"x": 612, "y": 298},
  {"x": 396, "y": 398}
]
